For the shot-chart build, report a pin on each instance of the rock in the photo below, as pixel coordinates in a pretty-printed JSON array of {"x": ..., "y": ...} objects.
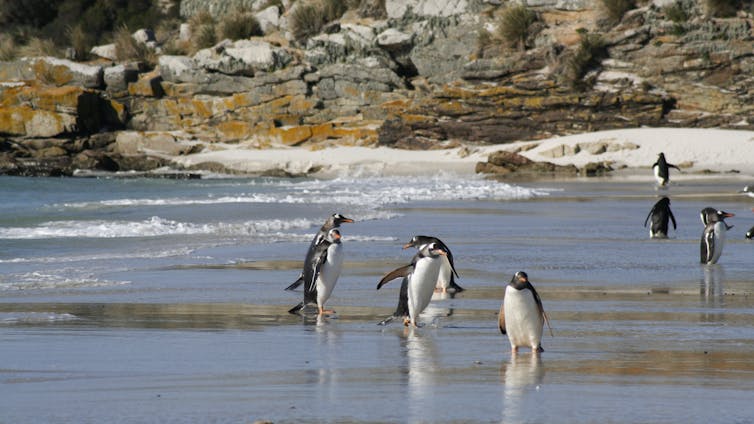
[
  {"x": 143, "y": 36},
  {"x": 118, "y": 77},
  {"x": 136, "y": 142},
  {"x": 147, "y": 85},
  {"x": 505, "y": 163},
  {"x": 65, "y": 72},
  {"x": 105, "y": 51},
  {"x": 269, "y": 19},
  {"x": 593, "y": 169},
  {"x": 397, "y": 9},
  {"x": 241, "y": 57},
  {"x": 394, "y": 40}
]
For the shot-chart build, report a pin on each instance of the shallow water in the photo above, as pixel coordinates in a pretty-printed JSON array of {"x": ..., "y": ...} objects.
[{"x": 160, "y": 301}]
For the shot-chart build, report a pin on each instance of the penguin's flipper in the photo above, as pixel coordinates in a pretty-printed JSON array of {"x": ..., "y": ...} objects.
[
  {"x": 296, "y": 309},
  {"x": 707, "y": 246},
  {"x": 403, "y": 271},
  {"x": 672, "y": 218},
  {"x": 296, "y": 283},
  {"x": 541, "y": 308},
  {"x": 547, "y": 321},
  {"x": 648, "y": 215},
  {"x": 501, "y": 319},
  {"x": 670, "y": 165}
]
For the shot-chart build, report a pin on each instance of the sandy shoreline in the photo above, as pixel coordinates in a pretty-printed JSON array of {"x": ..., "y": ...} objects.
[{"x": 697, "y": 151}]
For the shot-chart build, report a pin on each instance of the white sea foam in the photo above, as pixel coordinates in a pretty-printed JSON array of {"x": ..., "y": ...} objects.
[
  {"x": 370, "y": 192},
  {"x": 152, "y": 227},
  {"x": 11, "y": 318},
  {"x": 60, "y": 279}
]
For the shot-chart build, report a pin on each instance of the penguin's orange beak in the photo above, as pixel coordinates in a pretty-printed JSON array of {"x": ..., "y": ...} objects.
[
  {"x": 728, "y": 214},
  {"x": 348, "y": 220},
  {"x": 407, "y": 245}
]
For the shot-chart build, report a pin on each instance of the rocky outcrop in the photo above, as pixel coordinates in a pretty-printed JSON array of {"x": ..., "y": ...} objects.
[
  {"x": 510, "y": 164},
  {"x": 421, "y": 79}
]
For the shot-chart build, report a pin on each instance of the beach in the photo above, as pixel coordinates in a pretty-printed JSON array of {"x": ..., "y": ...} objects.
[{"x": 153, "y": 300}]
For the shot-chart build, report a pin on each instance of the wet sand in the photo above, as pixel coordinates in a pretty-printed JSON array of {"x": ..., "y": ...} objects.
[{"x": 643, "y": 333}]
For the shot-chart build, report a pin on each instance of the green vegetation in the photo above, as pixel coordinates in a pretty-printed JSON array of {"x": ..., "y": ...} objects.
[
  {"x": 678, "y": 15},
  {"x": 615, "y": 9},
  {"x": 514, "y": 25},
  {"x": 588, "y": 56}
]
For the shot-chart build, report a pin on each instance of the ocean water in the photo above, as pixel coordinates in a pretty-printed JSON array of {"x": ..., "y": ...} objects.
[{"x": 160, "y": 300}]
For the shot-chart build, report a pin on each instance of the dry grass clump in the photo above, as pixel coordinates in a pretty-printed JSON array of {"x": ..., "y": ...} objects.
[
  {"x": 587, "y": 56},
  {"x": 514, "y": 25},
  {"x": 81, "y": 41},
  {"x": 722, "y": 8},
  {"x": 308, "y": 19},
  {"x": 8, "y": 47},
  {"x": 615, "y": 9},
  {"x": 127, "y": 48},
  {"x": 38, "y": 47},
  {"x": 239, "y": 25}
]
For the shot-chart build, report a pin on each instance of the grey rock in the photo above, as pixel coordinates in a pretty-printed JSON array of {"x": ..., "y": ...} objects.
[
  {"x": 105, "y": 51},
  {"x": 117, "y": 77},
  {"x": 269, "y": 19}
]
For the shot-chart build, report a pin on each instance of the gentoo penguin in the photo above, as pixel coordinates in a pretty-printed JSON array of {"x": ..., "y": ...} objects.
[
  {"x": 522, "y": 315},
  {"x": 713, "y": 237},
  {"x": 448, "y": 274},
  {"x": 333, "y": 221},
  {"x": 660, "y": 215},
  {"x": 661, "y": 170},
  {"x": 420, "y": 277},
  {"x": 322, "y": 273},
  {"x": 401, "y": 311},
  {"x": 750, "y": 233},
  {"x": 748, "y": 190},
  {"x": 705, "y": 213}
]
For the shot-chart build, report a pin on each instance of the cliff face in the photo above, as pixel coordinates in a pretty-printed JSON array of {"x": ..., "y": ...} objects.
[{"x": 422, "y": 78}]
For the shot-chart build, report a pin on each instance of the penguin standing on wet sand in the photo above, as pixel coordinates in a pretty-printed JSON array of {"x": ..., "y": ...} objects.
[
  {"x": 748, "y": 190},
  {"x": 446, "y": 278},
  {"x": 713, "y": 236},
  {"x": 522, "y": 316},
  {"x": 660, "y": 214},
  {"x": 333, "y": 221},
  {"x": 420, "y": 277},
  {"x": 661, "y": 170},
  {"x": 322, "y": 273},
  {"x": 750, "y": 233}
]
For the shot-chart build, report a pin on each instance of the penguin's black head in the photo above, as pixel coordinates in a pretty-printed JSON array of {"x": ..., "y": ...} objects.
[
  {"x": 418, "y": 241},
  {"x": 520, "y": 277},
  {"x": 665, "y": 201},
  {"x": 338, "y": 219},
  {"x": 433, "y": 249},
  {"x": 333, "y": 236},
  {"x": 707, "y": 214}
]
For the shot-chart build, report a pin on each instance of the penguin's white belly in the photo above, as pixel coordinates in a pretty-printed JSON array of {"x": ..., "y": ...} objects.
[
  {"x": 421, "y": 285},
  {"x": 719, "y": 236},
  {"x": 329, "y": 273},
  {"x": 658, "y": 177},
  {"x": 443, "y": 277},
  {"x": 523, "y": 321}
]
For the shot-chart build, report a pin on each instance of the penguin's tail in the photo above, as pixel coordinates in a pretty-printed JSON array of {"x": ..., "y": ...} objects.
[
  {"x": 295, "y": 284},
  {"x": 296, "y": 309},
  {"x": 387, "y": 320},
  {"x": 453, "y": 285}
]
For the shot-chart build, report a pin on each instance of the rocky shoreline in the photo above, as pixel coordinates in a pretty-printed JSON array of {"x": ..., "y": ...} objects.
[{"x": 422, "y": 78}]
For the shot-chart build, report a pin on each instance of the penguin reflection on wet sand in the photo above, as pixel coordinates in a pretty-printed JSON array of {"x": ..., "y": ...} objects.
[
  {"x": 522, "y": 316},
  {"x": 333, "y": 221},
  {"x": 420, "y": 278},
  {"x": 321, "y": 274},
  {"x": 660, "y": 214},
  {"x": 713, "y": 236},
  {"x": 748, "y": 190},
  {"x": 661, "y": 170},
  {"x": 446, "y": 278}
]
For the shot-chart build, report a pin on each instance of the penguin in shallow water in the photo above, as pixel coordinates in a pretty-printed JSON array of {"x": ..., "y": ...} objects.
[
  {"x": 446, "y": 279},
  {"x": 748, "y": 190},
  {"x": 750, "y": 233},
  {"x": 522, "y": 316},
  {"x": 420, "y": 277},
  {"x": 660, "y": 214},
  {"x": 322, "y": 273},
  {"x": 713, "y": 236},
  {"x": 333, "y": 221},
  {"x": 661, "y": 170}
]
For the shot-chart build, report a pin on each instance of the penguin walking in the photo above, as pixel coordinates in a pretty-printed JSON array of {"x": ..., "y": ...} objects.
[
  {"x": 522, "y": 316},
  {"x": 448, "y": 274},
  {"x": 661, "y": 170},
  {"x": 713, "y": 236},
  {"x": 660, "y": 214},
  {"x": 420, "y": 278},
  {"x": 321, "y": 274},
  {"x": 333, "y": 221}
]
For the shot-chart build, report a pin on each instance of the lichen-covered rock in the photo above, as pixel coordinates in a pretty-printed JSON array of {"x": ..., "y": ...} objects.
[{"x": 242, "y": 57}]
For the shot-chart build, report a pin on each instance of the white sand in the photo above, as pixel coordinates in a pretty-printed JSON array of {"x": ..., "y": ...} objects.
[{"x": 695, "y": 150}]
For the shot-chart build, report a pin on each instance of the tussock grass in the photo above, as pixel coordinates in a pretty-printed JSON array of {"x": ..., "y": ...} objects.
[{"x": 514, "y": 25}]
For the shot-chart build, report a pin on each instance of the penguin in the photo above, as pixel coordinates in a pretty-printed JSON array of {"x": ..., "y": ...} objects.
[
  {"x": 322, "y": 273},
  {"x": 448, "y": 274},
  {"x": 401, "y": 311},
  {"x": 750, "y": 233},
  {"x": 748, "y": 190},
  {"x": 662, "y": 170},
  {"x": 333, "y": 221},
  {"x": 713, "y": 236},
  {"x": 522, "y": 316},
  {"x": 420, "y": 277},
  {"x": 660, "y": 213}
]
